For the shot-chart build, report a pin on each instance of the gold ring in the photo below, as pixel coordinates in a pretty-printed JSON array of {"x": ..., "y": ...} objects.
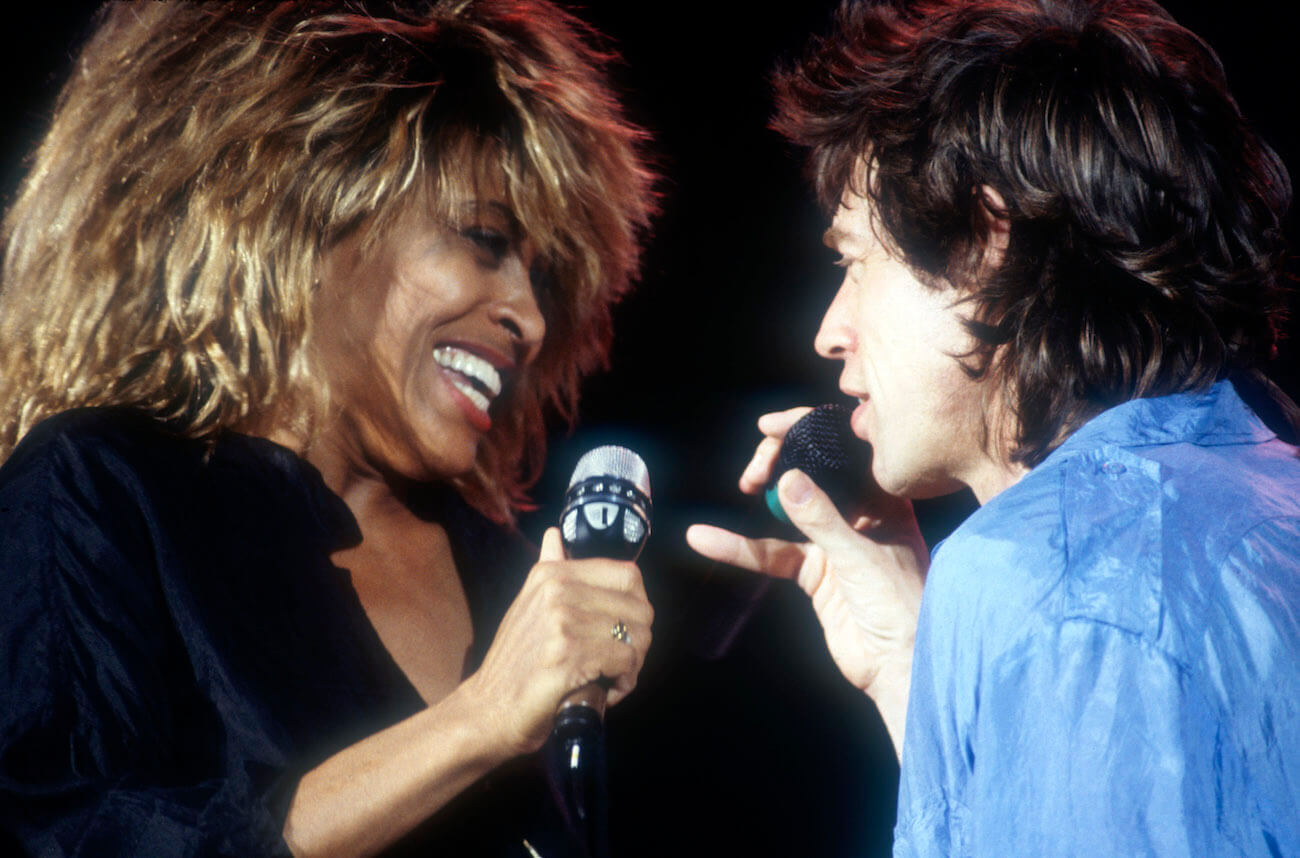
[{"x": 618, "y": 631}]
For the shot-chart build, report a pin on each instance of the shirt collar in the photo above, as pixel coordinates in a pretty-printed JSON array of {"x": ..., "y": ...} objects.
[{"x": 1214, "y": 417}]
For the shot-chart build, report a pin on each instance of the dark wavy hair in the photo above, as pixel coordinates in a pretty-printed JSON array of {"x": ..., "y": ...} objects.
[{"x": 1145, "y": 248}]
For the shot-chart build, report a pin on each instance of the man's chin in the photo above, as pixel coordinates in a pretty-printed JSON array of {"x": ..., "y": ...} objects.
[{"x": 912, "y": 484}]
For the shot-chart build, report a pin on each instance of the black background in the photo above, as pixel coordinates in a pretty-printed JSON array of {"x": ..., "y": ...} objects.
[{"x": 765, "y": 751}]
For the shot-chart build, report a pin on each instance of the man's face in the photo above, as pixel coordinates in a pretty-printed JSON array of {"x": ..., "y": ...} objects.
[{"x": 923, "y": 415}]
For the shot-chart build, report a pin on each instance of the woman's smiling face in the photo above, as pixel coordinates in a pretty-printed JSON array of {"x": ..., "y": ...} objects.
[{"x": 419, "y": 329}]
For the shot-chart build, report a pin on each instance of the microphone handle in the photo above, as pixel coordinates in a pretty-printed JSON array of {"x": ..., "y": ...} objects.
[
  {"x": 576, "y": 764},
  {"x": 575, "y": 751},
  {"x": 592, "y": 696},
  {"x": 576, "y": 759}
]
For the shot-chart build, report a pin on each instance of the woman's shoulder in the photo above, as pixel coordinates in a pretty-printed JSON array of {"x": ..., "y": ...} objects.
[
  {"x": 83, "y": 436},
  {"x": 114, "y": 456},
  {"x": 89, "y": 423},
  {"x": 94, "y": 453},
  {"x": 132, "y": 441}
]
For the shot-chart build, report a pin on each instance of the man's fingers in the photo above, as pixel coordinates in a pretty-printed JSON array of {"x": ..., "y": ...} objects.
[
  {"x": 777, "y": 423},
  {"x": 774, "y": 557},
  {"x": 759, "y": 470},
  {"x": 810, "y": 510},
  {"x": 774, "y": 427}
]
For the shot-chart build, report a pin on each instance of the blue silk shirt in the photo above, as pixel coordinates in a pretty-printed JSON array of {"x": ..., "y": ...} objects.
[{"x": 1108, "y": 657}]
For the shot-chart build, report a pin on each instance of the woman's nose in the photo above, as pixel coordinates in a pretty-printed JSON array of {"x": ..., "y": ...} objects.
[{"x": 516, "y": 309}]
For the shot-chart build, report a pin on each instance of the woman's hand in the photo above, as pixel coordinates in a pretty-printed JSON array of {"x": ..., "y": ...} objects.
[
  {"x": 558, "y": 636},
  {"x": 864, "y": 579}
]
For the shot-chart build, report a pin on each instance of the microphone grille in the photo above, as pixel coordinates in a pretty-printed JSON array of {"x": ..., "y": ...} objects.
[
  {"x": 613, "y": 461},
  {"x": 821, "y": 440},
  {"x": 823, "y": 446}
]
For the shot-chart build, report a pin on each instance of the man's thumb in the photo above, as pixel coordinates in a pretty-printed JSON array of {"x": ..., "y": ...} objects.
[{"x": 809, "y": 509}]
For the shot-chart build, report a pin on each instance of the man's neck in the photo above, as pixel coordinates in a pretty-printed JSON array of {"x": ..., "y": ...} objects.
[{"x": 995, "y": 477}]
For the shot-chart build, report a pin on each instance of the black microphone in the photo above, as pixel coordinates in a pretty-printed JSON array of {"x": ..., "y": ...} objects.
[
  {"x": 606, "y": 514},
  {"x": 823, "y": 446}
]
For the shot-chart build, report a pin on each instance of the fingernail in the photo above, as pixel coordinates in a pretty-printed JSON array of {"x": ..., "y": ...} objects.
[{"x": 797, "y": 488}]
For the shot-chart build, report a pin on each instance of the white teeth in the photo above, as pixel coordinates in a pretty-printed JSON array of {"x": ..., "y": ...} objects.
[
  {"x": 474, "y": 367},
  {"x": 473, "y": 393}
]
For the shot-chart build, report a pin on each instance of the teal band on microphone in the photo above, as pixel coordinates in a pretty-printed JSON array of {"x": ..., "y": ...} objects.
[{"x": 774, "y": 505}]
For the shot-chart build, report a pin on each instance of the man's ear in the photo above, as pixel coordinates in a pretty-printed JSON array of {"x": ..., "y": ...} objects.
[{"x": 993, "y": 209}]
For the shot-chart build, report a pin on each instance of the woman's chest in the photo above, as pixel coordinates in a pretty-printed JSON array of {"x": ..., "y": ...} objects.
[{"x": 412, "y": 594}]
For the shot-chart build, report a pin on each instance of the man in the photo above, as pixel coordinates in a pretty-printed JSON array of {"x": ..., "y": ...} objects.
[{"x": 1062, "y": 253}]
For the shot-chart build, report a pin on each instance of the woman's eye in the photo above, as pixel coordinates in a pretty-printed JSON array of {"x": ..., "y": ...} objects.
[
  {"x": 542, "y": 279},
  {"x": 496, "y": 244}
]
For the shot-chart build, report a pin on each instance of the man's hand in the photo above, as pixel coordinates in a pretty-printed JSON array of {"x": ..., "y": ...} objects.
[{"x": 864, "y": 579}]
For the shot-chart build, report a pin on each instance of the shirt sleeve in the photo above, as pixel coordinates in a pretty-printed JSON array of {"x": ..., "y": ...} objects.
[
  {"x": 1089, "y": 745},
  {"x": 105, "y": 747}
]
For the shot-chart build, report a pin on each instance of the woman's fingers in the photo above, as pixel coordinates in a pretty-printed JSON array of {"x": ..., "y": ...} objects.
[
  {"x": 574, "y": 622},
  {"x": 603, "y": 638},
  {"x": 552, "y": 546},
  {"x": 596, "y": 572}
]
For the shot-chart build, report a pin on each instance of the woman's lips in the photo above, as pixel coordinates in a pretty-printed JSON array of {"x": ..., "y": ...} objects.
[{"x": 475, "y": 382}]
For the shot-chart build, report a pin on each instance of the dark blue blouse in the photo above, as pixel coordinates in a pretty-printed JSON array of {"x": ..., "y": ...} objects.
[{"x": 176, "y": 647}]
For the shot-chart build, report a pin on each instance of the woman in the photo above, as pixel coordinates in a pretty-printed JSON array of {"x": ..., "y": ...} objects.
[{"x": 287, "y": 295}]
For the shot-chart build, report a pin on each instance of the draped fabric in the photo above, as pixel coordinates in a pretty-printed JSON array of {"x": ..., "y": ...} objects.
[
  {"x": 176, "y": 647},
  {"x": 1108, "y": 658}
]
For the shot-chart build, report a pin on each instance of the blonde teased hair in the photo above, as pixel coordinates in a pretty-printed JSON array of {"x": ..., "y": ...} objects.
[{"x": 163, "y": 252}]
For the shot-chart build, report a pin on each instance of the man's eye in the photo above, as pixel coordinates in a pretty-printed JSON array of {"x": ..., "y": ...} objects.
[{"x": 497, "y": 244}]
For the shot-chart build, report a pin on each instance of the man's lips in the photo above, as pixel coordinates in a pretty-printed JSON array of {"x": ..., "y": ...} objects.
[{"x": 858, "y": 420}]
